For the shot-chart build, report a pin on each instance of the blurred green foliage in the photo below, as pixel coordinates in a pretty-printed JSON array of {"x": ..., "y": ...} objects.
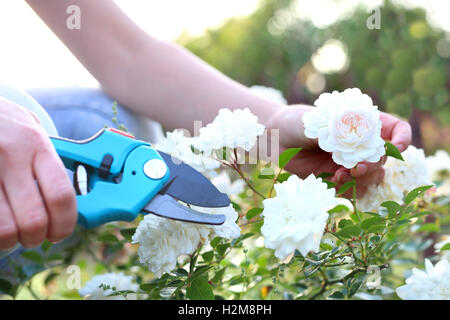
[{"x": 398, "y": 65}]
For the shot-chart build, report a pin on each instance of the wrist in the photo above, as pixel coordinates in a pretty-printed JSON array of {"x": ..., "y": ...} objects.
[{"x": 288, "y": 120}]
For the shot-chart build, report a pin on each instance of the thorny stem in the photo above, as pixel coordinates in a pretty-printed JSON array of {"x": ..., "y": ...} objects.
[{"x": 326, "y": 282}]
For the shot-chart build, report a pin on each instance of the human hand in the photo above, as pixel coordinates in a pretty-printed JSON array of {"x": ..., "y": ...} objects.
[
  {"x": 37, "y": 200},
  {"x": 314, "y": 160}
]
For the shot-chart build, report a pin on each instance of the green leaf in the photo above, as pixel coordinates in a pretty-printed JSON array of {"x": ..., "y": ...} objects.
[
  {"x": 200, "y": 289},
  {"x": 392, "y": 151},
  {"x": 46, "y": 245},
  {"x": 221, "y": 248},
  {"x": 344, "y": 223},
  {"x": 253, "y": 213},
  {"x": 325, "y": 175},
  {"x": 108, "y": 238},
  {"x": 283, "y": 176},
  {"x": 366, "y": 224},
  {"x": 376, "y": 229},
  {"x": 5, "y": 286},
  {"x": 218, "y": 276},
  {"x": 208, "y": 256},
  {"x": 33, "y": 256},
  {"x": 445, "y": 247},
  {"x": 392, "y": 207},
  {"x": 415, "y": 193},
  {"x": 128, "y": 233},
  {"x": 345, "y": 187},
  {"x": 338, "y": 208},
  {"x": 349, "y": 231},
  {"x": 329, "y": 184},
  {"x": 215, "y": 242},
  {"x": 286, "y": 156}
]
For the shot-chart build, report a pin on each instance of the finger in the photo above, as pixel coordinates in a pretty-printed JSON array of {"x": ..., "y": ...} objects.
[
  {"x": 365, "y": 167},
  {"x": 26, "y": 203},
  {"x": 58, "y": 194},
  {"x": 8, "y": 229},
  {"x": 371, "y": 178},
  {"x": 401, "y": 135},
  {"x": 395, "y": 130}
]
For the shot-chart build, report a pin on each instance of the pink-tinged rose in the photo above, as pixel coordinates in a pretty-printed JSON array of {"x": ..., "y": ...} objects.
[{"x": 348, "y": 125}]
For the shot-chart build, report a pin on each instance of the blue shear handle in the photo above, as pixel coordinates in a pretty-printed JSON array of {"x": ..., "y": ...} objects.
[
  {"x": 92, "y": 151},
  {"x": 122, "y": 201}
]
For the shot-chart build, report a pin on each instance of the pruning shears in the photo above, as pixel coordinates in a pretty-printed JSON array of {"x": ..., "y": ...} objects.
[{"x": 126, "y": 176}]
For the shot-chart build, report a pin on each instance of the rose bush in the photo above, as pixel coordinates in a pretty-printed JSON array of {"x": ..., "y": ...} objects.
[{"x": 284, "y": 237}]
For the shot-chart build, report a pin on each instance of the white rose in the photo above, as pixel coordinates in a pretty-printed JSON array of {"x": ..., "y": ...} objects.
[
  {"x": 400, "y": 177},
  {"x": 232, "y": 129},
  {"x": 431, "y": 284},
  {"x": 296, "y": 217},
  {"x": 348, "y": 125},
  {"x": 121, "y": 282}
]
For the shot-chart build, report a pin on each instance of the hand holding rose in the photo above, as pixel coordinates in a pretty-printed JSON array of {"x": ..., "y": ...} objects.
[{"x": 344, "y": 135}]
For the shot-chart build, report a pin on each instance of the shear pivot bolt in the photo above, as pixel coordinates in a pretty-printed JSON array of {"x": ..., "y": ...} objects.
[{"x": 155, "y": 169}]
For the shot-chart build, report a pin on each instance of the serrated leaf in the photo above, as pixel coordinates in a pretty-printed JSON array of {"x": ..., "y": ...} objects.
[
  {"x": 218, "y": 276},
  {"x": 366, "y": 224},
  {"x": 350, "y": 231},
  {"x": 221, "y": 248},
  {"x": 253, "y": 212},
  {"x": 215, "y": 241},
  {"x": 376, "y": 229},
  {"x": 286, "y": 156},
  {"x": 208, "y": 256},
  {"x": 200, "y": 289},
  {"x": 345, "y": 187},
  {"x": 33, "y": 256},
  {"x": 392, "y": 151},
  {"x": 344, "y": 223},
  {"x": 415, "y": 193},
  {"x": 392, "y": 207}
]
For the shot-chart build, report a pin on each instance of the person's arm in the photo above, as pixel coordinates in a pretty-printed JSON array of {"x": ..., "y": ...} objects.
[
  {"x": 171, "y": 85},
  {"x": 155, "y": 78}
]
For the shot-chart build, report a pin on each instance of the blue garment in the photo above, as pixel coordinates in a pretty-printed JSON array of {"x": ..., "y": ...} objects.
[{"x": 77, "y": 113}]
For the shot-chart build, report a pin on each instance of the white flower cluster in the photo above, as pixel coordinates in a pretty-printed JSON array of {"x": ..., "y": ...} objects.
[
  {"x": 161, "y": 241},
  {"x": 400, "y": 178},
  {"x": 296, "y": 217},
  {"x": 119, "y": 281},
  {"x": 179, "y": 146},
  {"x": 269, "y": 93},
  {"x": 348, "y": 125},
  {"x": 431, "y": 284},
  {"x": 223, "y": 182},
  {"x": 232, "y": 129}
]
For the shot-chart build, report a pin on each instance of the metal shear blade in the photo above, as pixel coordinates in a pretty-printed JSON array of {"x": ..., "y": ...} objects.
[
  {"x": 165, "y": 206},
  {"x": 188, "y": 185}
]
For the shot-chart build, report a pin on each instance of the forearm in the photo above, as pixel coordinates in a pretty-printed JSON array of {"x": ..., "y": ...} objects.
[{"x": 155, "y": 78}]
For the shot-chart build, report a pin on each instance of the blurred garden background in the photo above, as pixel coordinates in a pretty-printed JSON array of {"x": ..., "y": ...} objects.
[
  {"x": 403, "y": 65},
  {"x": 300, "y": 47}
]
